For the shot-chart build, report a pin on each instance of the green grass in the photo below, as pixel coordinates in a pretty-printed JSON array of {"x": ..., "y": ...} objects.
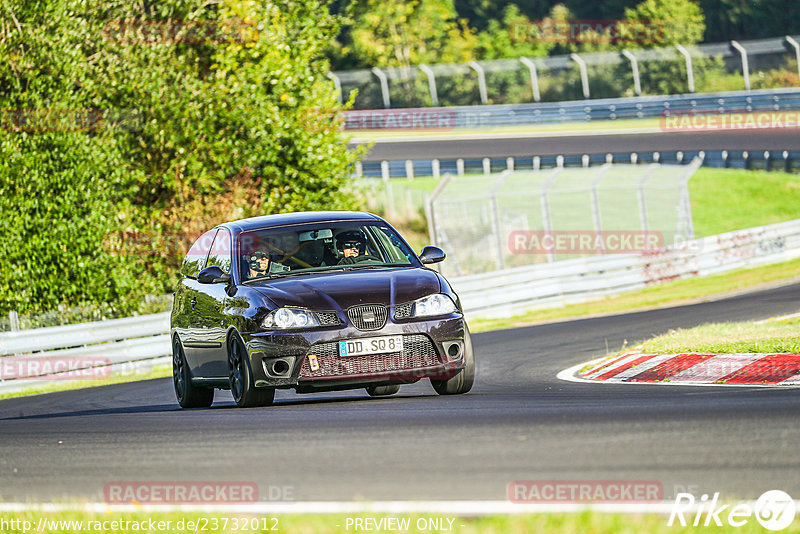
[
  {"x": 562, "y": 523},
  {"x": 725, "y": 199},
  {"x": 771, "y": 336},
  {"x": 160, "y": 371}
]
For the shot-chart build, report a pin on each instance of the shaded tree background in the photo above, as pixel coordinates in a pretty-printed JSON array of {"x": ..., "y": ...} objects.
[{"x": 189, "y": 130}]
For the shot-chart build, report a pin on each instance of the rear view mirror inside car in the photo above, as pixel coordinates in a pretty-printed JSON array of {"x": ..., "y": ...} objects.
[{"x": 314, "y": 235}]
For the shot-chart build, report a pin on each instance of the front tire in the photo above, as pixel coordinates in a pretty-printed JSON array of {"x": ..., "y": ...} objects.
[
  {"x": 245, "y": 393},
  {"x": 462, "y": 382},
  {"x": 188, "y": 395},
  {"x": 382, "y": 391}
]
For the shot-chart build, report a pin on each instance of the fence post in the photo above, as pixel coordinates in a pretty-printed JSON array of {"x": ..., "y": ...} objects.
[
  {"x": 481, "y": 81},
  {"x": 745, "y": 65},
  {"x": 460, "y": 167},
  {"x": 495, "y": 213},
  {"x": 487, "y": 166},
  {"x": 584, "y": 75},
  {"x": 651, "y": 169},
  {"x": 596, "y": 218},
  {"x": 637, "y": 85},
  {"x": 431, "y": 84},
  {"x": 545, "y": 202},
  {"x": 409, "y": 169},
  {"x": 685, "y": 206},
  {"x": 384, "y": 86},
  {"x": 435, "y": 168},
  {"x": 13, "y": 320},
  {"x": 537, "y": 97},
  {"x": 385, "y": 170},
  {"x": 794, "y": 44},
  {"x": 689, "y": 71},
  {"x": 430, "y": 213},
  {"x": 337, "y": 84}
]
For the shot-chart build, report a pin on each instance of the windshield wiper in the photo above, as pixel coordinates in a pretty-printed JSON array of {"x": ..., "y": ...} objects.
[{"x": 367, "y": 266}]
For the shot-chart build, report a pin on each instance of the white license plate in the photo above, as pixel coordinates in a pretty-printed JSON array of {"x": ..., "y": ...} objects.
[{"x": 370, "y": 345}]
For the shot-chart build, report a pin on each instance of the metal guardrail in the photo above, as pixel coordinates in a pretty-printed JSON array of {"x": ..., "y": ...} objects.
[
  {"x": 131, "y": 342},
  {"x": 28, "y": 358},
  {"x": 778, "y": 160},
  {"x": 453, "y": 118},
  {"x": 502, "y": 293}
]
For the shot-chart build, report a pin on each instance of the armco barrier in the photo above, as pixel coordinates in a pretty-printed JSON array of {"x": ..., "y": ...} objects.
[
  {"x": 502, "y": 293},
  {"x": 126, "y": 343},
  {"x": 456, "y": 117},
  {"x": 770, "y": 160},
  {"x": 104, "y": 346}
]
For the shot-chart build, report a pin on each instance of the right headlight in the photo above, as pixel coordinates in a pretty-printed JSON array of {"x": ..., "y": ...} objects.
[
  {"x": 433, "y": 305},
  {"x": 290, "y": 318}
]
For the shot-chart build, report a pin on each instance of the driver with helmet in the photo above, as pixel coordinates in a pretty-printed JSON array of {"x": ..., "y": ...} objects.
[
  {"x": 353, "y": 245},
  {"x": 259, "y": 264}
]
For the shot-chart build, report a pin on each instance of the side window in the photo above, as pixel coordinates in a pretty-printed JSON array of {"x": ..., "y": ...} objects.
[
  {"x": 195, "y": 259},
  {"x": 221, "y": 251}
]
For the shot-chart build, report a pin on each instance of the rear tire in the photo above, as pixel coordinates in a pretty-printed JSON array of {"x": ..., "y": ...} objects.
[
  {"x": 188, "y": 395},
  {"x": 245, "y": 393},
  {"x": 462, "y": 382},
  {"x": 382, "y": 391}
]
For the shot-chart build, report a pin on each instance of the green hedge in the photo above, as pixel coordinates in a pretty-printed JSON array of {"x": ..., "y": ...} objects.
[{"x": 127, "y": 130}]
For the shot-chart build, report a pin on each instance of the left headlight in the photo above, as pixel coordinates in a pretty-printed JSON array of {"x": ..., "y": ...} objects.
[
  {"x": 432, "y": 305},
  {"x": 290, "y": 318}
]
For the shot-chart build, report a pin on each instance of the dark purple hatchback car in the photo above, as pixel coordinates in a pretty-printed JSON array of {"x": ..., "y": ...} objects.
[{"x": 314, "y": 301}]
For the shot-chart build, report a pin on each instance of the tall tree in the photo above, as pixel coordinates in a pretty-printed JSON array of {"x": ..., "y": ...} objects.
[{"x": 402, "y": 33}]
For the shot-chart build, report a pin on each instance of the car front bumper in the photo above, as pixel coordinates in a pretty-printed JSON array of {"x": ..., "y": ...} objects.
[{"x": 430, "y": 348}]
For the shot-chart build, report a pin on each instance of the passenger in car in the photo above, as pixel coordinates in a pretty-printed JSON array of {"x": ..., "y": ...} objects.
[{"x": 259, "y": 264}]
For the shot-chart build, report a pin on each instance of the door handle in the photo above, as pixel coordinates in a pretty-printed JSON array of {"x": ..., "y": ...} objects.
[{"x": 194, "y": 302}]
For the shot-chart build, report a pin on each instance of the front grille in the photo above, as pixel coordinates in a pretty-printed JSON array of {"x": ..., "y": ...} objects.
[
  {"x": 418, "y": 352},
  {"x": 368, "y": 316},
  {"x": 402, "y": 311},
  {"x": 328, "y": 318}
]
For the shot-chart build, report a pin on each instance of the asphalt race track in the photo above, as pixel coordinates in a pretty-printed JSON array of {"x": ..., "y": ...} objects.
[
  {"x": 543, "y": 145},
  {"x": 519, "y": 423}
]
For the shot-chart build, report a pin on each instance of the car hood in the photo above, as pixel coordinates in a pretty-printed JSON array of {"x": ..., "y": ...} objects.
[{"x": 339, "y": 290}]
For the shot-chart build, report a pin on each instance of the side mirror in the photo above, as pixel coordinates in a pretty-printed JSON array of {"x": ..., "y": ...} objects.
[
  {"x": 213, "y": 275},
  {"x": 432, "y": 255}
]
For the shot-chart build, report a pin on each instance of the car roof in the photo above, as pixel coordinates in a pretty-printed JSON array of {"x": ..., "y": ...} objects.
[{"x": 267, "y": 221}]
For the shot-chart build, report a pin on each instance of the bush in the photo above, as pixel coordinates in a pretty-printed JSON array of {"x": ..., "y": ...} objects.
[{"x": 182, "y": 119}]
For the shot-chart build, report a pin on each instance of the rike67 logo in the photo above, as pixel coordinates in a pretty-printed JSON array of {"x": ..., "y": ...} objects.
[{"x": 774, "y": 510}]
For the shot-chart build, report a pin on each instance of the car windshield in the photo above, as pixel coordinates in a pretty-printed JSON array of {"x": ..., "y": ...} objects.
[{"x": 307, "y": 248}]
